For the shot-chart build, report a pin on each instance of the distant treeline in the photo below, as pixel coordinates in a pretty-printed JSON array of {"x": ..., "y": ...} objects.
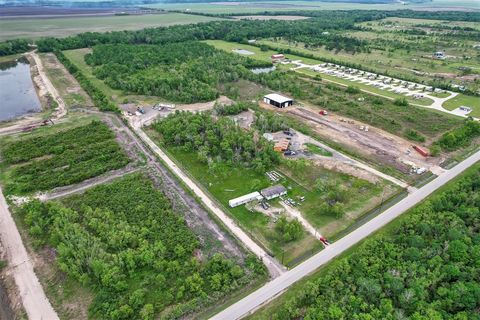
[{"x": 242, "y": 30}]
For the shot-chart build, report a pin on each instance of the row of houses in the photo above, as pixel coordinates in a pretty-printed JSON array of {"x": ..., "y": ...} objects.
[{"x": 267, "y": 194}]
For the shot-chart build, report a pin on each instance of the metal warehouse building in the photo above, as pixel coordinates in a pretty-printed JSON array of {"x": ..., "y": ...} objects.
[
  {"x": 245, "y": 199},
  {"x": 274, "y": 192},
  {"x": 277, "y": 100}
]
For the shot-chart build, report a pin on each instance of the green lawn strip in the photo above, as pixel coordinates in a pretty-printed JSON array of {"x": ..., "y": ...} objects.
[{"x": 464, "y": 100}]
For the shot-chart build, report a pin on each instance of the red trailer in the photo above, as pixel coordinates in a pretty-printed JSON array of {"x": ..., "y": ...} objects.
[{"x": 420, "y": 150}]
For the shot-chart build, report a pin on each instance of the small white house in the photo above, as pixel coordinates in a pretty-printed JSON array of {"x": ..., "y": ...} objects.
[{"x": 245, "y": 199}]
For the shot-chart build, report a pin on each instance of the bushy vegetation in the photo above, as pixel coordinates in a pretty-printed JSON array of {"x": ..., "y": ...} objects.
[
  {"x": 460, "y": 137},
  {"x": 290, "y": 230},
  {"x": 231, "y": 109},
  {"x": 13, "y": 46},
  {"x": 58, "y": 159},
  {"x": 182, "y": 72},
  {"x": 426, "y": 267},
  {"x": 100, "y": 100},
  {"x": 124, "y": 242},
  {"x": 216, "y": 141}
]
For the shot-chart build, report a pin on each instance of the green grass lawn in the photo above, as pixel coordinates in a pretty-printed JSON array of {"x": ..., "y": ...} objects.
[
  {"x": 464, "y": 100},
  {"x": 63, "y": 27}
]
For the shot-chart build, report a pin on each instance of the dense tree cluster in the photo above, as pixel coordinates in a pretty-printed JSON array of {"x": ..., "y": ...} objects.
[
  {"x": 100, "y": 100},
  {"x": 427, "y": 267},
  {"x": 124, "y": 241},
  {"x": 13, "y": 46},
  {"x": 230, "y": 109},
  {"x": 290, "y": 230},
  {"x": 58, "y": 159},
  {"x": 181, "y": 72},
  {"x": 460, "y": 137},
  {"x": 216, "y": 140}
]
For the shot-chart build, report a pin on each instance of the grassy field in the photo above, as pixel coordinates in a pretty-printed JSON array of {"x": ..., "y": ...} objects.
[
  {"x": 63, "y": 27},
  {"x": 464, "y": 100},
  {"x": 253, "y": 7}
]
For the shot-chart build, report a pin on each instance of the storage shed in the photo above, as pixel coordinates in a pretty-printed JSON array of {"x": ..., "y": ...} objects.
[
  {"x": 245, "y": 199},
  {"x": 274, "y": 192},
  {"x": 277, "y": 100}
]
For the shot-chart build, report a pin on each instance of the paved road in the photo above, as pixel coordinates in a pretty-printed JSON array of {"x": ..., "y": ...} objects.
[
  {"x": 274, "y": 267},
  {"x": 31, "y": 292},
  {"x": 278, "y": 285}
]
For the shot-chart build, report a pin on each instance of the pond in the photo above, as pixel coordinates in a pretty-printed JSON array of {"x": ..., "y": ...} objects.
[{"x": 17, "y": 92}]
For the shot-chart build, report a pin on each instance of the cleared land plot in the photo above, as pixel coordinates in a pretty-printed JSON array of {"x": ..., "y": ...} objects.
[
  {"x": 129, "y": 253},
  {"x": 63, "y": 27},
  {"x": 66, "y": 85},
  {"x": 54, "y": 159},
  {"x": 464, "y": 100}
]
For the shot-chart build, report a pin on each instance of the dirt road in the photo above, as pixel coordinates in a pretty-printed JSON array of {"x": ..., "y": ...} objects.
[
  {"x": 31, "y": 292},
  {"x": 61, "y": 110},
  {"x": 84, "y": 185},
  {"x": 298, "y": 215}
]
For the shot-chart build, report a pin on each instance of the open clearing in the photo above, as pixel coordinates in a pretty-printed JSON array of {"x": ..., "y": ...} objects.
[
  {"x": 286, "y": 18},
  {"x": 63, "y": 27}
]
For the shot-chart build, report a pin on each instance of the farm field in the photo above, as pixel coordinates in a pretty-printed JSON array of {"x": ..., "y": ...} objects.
[
  {"x": 53, "y": 159},
  {"x": 240, "y": 7},
  {"x": 63, "y": 27},
  {"x": 113, "y": 249},
  {"x": 362, "y": 275}
]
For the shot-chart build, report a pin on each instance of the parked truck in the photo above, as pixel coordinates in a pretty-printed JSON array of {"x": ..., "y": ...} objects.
[
  {"x": 420, "y": 150},
  {"x": 323, "y": 112}
]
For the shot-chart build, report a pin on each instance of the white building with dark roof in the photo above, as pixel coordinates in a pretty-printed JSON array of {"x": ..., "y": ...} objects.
[{"x": 278, "y": 100}]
